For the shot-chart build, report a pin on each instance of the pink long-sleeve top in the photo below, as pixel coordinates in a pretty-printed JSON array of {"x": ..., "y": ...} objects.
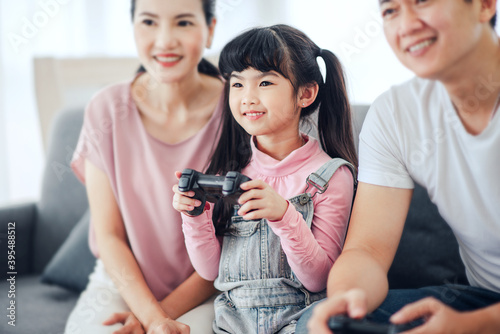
[{"x": 311, "y": 252}]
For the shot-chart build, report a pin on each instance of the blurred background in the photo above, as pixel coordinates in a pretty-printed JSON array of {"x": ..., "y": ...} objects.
[{"x": 32, "y": 30}]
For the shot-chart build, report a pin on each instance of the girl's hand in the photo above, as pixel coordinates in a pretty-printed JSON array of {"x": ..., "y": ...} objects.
[
  {"x": 168, "y": 326},
  {"x": 261, "y": 201},
  {"x": 183, "y": 201},
  {"x": 130, "y": 323}
]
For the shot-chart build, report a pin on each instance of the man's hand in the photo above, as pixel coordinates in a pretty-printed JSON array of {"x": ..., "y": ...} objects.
[
  {"x": 352, "y": 303},
  {"x": 439, "y": 318}
]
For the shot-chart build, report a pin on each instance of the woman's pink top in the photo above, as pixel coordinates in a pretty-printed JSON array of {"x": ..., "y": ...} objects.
[
  {"x": 141, "y": 170},
  {"x": 311, "y": 252}
]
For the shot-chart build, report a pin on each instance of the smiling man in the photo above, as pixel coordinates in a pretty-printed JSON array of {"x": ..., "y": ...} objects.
[{"x": 441, "y": 130}]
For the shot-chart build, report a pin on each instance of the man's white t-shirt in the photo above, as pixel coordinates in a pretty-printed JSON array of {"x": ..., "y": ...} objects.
[{"x": 412, "y": 133}]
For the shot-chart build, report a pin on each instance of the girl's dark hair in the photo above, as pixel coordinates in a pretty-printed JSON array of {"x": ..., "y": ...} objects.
[
  {"x": 204, "y": 66},
  {"x": 291, "y": 53}
]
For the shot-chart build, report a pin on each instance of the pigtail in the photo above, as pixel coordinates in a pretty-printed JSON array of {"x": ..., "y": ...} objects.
[
  {"x": 140, "y": 70},
  {"x": 334, "y": 116},
  {"x": 208, "y": 68}
]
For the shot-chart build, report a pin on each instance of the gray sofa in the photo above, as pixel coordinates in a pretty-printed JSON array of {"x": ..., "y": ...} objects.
[{"x": 51, "y": 242}]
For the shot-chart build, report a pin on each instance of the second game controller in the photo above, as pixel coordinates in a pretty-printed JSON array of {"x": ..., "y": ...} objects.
[{"x": 345, "y": 325}]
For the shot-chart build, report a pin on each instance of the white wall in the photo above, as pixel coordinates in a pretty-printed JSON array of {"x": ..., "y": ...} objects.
[
  {"x": 21, "y": 158},
  {"x": 353, "y": 31},
  {"x": 4, "y": 180}
]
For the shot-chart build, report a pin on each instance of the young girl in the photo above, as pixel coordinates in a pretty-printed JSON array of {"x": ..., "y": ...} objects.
[
  {"x": 135, "y": 135},
  {"x": 271, "y": 259}
]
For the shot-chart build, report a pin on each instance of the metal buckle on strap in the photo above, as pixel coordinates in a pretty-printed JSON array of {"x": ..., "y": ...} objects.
[{"x": 319, "y": 188}]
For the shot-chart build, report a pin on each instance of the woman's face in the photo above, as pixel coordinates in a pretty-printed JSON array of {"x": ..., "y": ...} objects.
[{"x": 171, "y": 36}]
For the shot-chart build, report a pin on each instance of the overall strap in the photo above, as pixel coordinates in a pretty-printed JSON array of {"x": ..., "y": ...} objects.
[{"x": 322, "y": 176}]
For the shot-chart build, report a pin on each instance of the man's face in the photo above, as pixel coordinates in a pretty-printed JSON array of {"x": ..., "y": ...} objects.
[{"x": 433, "y": 38}]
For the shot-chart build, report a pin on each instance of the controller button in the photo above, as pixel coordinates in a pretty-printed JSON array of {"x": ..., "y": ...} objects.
[
  {"x": 183, "y": 183},
  {"x": 228, "y": 186},
  {"x": 187, "y": 172}
]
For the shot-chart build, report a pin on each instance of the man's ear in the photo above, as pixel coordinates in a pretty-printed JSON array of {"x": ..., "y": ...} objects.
[
  {"x": 488, "y": 10},
  {"x": 308, "y": 94},
  {"x": 211, "y": 31}
]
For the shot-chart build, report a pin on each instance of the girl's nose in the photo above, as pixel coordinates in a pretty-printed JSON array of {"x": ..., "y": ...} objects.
[
  {"x": 249, "y": 98},
  {"x": 249, "y": 101}
]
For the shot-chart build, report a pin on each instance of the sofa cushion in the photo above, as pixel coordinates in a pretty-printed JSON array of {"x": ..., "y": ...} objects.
[
  {"x": 40, "y": 308},
  {"x": 63, "y": 198},
  {"x": 73, "y": 263},
  {"x": 16, "y": 221},
  {"x": 428, "y": 251}
]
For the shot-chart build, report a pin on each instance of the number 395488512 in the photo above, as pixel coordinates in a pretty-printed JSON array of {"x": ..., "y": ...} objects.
[{"x": 11, "y": 245}]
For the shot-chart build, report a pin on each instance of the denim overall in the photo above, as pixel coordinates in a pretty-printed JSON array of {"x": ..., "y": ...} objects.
[{"x": 260, "y": 293}]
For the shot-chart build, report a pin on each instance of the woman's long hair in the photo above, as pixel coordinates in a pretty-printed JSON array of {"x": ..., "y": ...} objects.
[{"x": 292, "y": 54}]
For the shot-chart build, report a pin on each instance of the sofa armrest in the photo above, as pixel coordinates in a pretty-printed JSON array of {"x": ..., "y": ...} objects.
[{"x": 17, "y": 224}]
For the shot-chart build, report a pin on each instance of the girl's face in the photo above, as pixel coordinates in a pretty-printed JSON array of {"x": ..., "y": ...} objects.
[
  {"x": 264, "y": 104},
  {"x": 171, "y": 36}
]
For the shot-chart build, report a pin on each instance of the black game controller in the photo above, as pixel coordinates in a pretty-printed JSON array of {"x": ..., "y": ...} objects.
[
  {"x": 345, "y": 325},
  {"x": 211, "y": 187}
]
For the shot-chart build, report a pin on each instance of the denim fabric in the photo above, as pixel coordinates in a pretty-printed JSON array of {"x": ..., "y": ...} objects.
[
  {"x": 458, "y": 297},
  {"x": 260, "y": 293},
  {"x": 301, "y": 327}
]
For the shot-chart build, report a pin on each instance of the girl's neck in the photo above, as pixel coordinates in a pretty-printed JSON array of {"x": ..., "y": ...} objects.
[{"x": 279, "y": 148}]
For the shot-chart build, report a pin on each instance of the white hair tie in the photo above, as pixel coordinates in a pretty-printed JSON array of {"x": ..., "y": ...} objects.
[{"x": 322, "y": 66}]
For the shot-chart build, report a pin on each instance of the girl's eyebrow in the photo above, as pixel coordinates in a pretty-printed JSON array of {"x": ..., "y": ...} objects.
[{"x": 260, "y": 76}]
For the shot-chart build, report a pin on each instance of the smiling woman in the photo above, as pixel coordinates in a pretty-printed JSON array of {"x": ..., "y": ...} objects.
[{"x": 161, "y": 121}]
